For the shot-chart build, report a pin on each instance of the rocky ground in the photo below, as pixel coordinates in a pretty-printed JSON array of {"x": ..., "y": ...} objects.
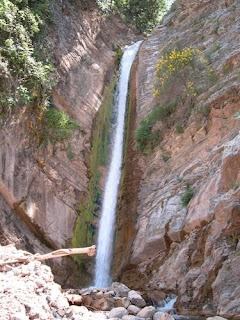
[{"x": 28, "y": 291}]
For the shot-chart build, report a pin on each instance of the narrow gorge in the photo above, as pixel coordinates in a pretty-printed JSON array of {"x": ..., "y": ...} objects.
[{"x": 178, "y": 209}]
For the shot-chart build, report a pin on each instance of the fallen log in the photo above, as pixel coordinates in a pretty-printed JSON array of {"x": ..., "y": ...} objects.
[{"x": 90, "y": 251}]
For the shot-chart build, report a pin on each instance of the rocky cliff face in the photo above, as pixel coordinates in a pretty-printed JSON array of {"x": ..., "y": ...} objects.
[
  {"x": 45, "y": 182},
  {"x": 191, "y": 250}
]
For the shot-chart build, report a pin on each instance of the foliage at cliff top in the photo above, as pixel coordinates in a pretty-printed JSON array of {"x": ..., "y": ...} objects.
[
  {"x": 24, "y": 78},
  {"x": 144, "y": 14}
]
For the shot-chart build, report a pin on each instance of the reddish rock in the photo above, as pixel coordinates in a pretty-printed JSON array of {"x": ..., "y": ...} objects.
[
  {"x": 87, "y": 300},
  {"x": 101, "y": 304},
  {"x": 185, "y": 247}
]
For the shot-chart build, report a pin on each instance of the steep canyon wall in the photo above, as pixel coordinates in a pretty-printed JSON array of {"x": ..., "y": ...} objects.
[
  {"x": 44, "y": 181},
  {"x": 192, "y": 248}
]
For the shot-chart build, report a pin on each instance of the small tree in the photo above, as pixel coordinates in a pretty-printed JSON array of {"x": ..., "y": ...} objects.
[{"x": 144, "y": 14}]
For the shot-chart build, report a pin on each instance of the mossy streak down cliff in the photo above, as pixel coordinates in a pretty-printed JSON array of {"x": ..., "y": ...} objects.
[
  {"x": 128, "y": 191},
  {"x": 88, "y": 211}
]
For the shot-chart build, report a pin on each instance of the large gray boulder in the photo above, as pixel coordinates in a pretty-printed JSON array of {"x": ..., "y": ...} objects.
[
  {"x": 136, "y": 299},
  {"x": 162, "y": 316},
  {"x": 118, "y": 313},
  {"x": 133, "y": 309},
  {"x": 120, "y": 289},
  {"x": 216, "y": 318},
  {"x": 131, "y": 317},
  {"x": 146, "y": 312}
]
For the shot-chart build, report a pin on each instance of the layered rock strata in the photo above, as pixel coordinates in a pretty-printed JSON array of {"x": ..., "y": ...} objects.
[
  {"x": 45, "y": 183},
  {"x": 192, "y": 250}
]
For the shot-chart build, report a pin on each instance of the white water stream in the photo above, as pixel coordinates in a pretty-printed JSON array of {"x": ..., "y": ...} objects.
[
  {"x": 168, "y": 304},
  {"x": 107, "y": 220}
]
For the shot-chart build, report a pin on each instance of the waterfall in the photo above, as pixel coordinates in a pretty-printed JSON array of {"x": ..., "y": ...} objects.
[{"x": 107, "y": 220}]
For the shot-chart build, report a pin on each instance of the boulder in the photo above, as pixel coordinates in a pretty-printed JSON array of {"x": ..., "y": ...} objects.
[
  {"x": 79, "y": 310},
  {"x": 18, "y": 316},
  {"x": 120, "y": 289},
  {"x": 101, "y": 304},
  {"x": 75, "y": 299},
  {"x": 131, "y": 317},
  {"x": 111, "y": 300},
  {"x": 87, "y": 300},
  {"x": 146, "y": 312},
  {"x": 98, "y": 316},
  {"x": 162, "y": 316},
  {"x": 85, "y": 291},
  {"x": 117, "y": 313},
  {"x": 136, "y": 299},
  {"x": 133, "y": 309},
  {"x": 216, "y": 318},
  {"x": 110, "y": 293},
  {"x": 98, "y": 295},
  {"x": 122, "y": 302}
]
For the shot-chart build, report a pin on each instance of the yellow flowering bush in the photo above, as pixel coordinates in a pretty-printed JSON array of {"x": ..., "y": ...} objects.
[{"x": 178, "y": 64}]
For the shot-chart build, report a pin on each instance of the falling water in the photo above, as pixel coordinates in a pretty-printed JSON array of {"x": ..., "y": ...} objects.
[
  {"x": 168, "y": 304},
  {"x": 107, "y": 221}
]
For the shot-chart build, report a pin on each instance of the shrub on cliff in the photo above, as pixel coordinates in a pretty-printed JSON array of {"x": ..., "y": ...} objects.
[
  {"x": 145, "y": 134},
  {"x": 179, "y": 68},
  {"x": 182, "y": 74},
  {"x": 58, "y": 125},
  {"x": 187, "y": 196}
]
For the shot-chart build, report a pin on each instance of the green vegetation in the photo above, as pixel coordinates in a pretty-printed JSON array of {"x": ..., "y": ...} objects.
[
  {"x": 234, "y": 238},
  {"x": 180, "y": 179},
  {"x": 84, "y": 229},
  {"x": 215, "y": 47},
  {"x": 144, "y": 14},
  {"x": 144, "y": 134},
  {"x": 184, "y": 74},
  {"x": 174, "y": 7},
  {"x": 70, "y": 153},
  {"x": 235, "y": 186},
  {"x": 166, "y": 158},
  {"x": 24, "y": 79},
  {"x": 119, "y": 54},
  {"x": 217, "y": 26},
  {"x": 26, "y": 75},
  {"x": 58, "y": 126},
  {"x": 204, "y": 110},
  {"x": 181, "y": 65},
  {"x": 226, "y": 69},
  {"x": 179, "y": 128},
  {"x": 237, "y": 116},
  {"x": 187, "y": 195}
]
